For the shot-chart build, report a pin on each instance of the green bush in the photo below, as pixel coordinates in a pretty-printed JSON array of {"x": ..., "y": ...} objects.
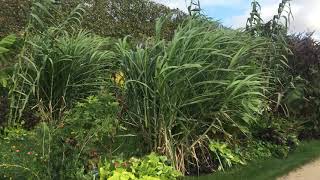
[
  {"x": 68, "y": 150},
  {"x": 83, "y": 136},
  {"x": 151, "y": 167},
  {"x": 302, "y": 97},
  {"x": 225, "y": 156}
]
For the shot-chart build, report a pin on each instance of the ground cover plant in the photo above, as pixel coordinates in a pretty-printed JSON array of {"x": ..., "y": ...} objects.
[{"x": 171, "y": 96}]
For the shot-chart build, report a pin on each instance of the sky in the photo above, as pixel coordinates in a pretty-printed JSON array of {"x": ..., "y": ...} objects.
[{"x": 234, "y": 13}]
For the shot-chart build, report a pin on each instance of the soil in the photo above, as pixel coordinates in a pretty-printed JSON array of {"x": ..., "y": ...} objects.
[{"x": 310, "y": 171}]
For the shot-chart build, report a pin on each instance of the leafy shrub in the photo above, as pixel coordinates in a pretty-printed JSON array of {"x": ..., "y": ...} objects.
[
  {"x": 205, "y": 82},
  {"x": 67, "y": 150},
  {"x": 257, "y": 150},
  {"x": 151, "y": 167},
  {"x": 83, "y": 136},
  {"x": 278, "y": 131},
  {"x": 225, "y": 156},
  {"x": 302, "y": 96}
]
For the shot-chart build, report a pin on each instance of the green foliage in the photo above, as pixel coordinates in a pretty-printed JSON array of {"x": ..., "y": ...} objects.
[
  {"x": 256, "y": 149},
  {"x": 84, "y": 134},
  {"x": 225, "y": 156},
  {"x": 270, "y": 168},
  {"x": 151, "y": 167},
  {"x": 58, "y": 66},
  {"x": 68, "y": 150},
  {"x": 6, "y": 43},
  {"x": 136, "y": 18},
  {"x": 302, "y": 95},
  {"x": 62, "y": 69},
  {"x": 202, "y": 96},
  {"x": 278, "y": 131},
  {"x": 5, "y": 46},
  {"x": 206, "y": 81},
  {"x": 94, "y": 115}
]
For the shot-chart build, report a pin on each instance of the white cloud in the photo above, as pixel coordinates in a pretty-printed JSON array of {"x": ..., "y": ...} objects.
[
  {"x": 305, "y": 15},
  {"x": 305, "y": 12},
  {"x": 183, "y": 4}
]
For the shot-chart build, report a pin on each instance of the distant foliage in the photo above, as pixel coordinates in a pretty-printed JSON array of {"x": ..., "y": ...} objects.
[
  {"x": 13, "y": 16},
  {"x": 305, "y": 58},
  {"x": 114, "y": 18}
]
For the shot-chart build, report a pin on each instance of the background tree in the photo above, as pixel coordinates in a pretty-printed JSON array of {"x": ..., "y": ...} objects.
[{"x": 115, "y": 18}]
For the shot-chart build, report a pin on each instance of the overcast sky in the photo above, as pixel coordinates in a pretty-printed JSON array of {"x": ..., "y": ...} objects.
[{"x": 234, "y": 13}]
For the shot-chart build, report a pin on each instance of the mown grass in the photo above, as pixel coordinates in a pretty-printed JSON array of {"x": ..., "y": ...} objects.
[{"x": 271, "y": 168}]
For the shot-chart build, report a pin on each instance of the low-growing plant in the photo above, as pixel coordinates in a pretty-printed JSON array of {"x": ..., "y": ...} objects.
[
  {"x": 278, "y": 131},
  {"x": 255, "y": 149},
  {"x": 20, "y": 155},
  {"x": 151, "y": 167},
  {"x": 225, "y": 156}
]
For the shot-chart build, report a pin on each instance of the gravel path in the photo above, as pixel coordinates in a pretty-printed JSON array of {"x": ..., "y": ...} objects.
[{"x": 310, "y": 171}]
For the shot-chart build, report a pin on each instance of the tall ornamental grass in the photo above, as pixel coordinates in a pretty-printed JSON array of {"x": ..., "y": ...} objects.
[
  {"x": 205, "y": 84},
  {"x": 58, "y": 65}
]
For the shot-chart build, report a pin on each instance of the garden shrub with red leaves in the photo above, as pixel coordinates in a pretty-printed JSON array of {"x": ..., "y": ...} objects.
[{"x": 303, "y": 96}]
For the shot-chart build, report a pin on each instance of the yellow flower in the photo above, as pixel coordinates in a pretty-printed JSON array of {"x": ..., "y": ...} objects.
[{"x": 119, "y": 79}]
